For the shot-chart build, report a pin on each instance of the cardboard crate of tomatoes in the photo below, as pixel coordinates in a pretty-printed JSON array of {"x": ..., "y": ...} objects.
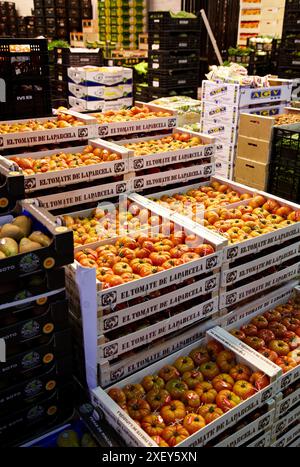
[
  {"x": 66, "y": 126},
  {"x": 139, "y": 119},
  {"x": 188, "y": 398},
  {"x": 271, "y": 329},
  {"x": 61, "y": 178},
  {"x": 132, "y": 281}
]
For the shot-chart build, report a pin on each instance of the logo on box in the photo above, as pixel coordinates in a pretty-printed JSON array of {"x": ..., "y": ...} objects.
[
  {"x": 138, "y": 184},
  {"x": 1, "y": 142},
  {"x": 30, "y": 183},
  {"x": 139, "y": 164},
  {"x": 111, "y": 323},
  {"x": 109, "y": 299},
  {"x": 121, "y": 188},
  {"x": 111, "y": 350},
  {"x": 117, "y": 375},
  {"x": 103, "y": 130},
  {"x": 83, "y": 133},
  {"x": 172, "y": 123},
  {"x": 119, "y": 167}
]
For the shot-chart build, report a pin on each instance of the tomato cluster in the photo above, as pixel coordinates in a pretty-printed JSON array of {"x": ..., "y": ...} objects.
[
  {"x": 275, "y": 334},
  {"x": 133, "y": 114},
  {"x": 63, "y": 161},
  {"x": 185, "y": 397},
  {"x": 166, "y": 144},
  {"x": 130, "y": 259},
  {"x": 61, "y": 121}
]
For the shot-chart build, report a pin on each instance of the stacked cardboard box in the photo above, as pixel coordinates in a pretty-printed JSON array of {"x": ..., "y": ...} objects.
[
  {"x": 100, "y": 88},
  {"x": 222, "y": 104}
]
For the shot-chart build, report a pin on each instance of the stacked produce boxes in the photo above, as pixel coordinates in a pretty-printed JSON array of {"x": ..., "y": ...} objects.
[
  {"x": 57, "y": 18},
  {"x": 36, "y": 355},
  {"x": 173, "y": 55},
  {"x": 222, "y": 104},
  {"x": 289, "y": 56},
  {"x": 259, "y": 156},
  {"x": 64, "y": 58},
  {"x": 94, "y": 88},
  {"x": 25, "y": 87},
  {"x": 121, "y": 22}
]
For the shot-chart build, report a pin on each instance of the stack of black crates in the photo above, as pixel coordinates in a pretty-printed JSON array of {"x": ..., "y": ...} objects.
[
  {"x": 8, "y": 19},
  {"x": 174, "y": 56},
  {"x": 26, "y": 26},
  {"x": 284, "y": 179},
  {"x": 56, "y": 19},
  {"x": 289, "y": 54},
  {"x": 25, "y": 79},
  {"x": 64, "y": 58}
]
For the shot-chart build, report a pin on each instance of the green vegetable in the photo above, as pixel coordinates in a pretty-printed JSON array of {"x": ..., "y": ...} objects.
[
  {"x": 182, "y": 14},
  {"x": 58, "y": 43}
]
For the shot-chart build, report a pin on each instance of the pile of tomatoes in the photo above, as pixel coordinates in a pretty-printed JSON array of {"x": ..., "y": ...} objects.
[
  {"x": 275, "y": 335},
  {"x": 130, "y": 259},
  {"x": 166, "y": 144},
  {"x": 61, "y": 121},
  {"x": 185, "y": 397},
  {"x": 64, "y": 161},
  {"x": 133, "y": 114}
]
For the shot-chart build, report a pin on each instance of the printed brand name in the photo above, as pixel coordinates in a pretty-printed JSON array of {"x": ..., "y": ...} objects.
[
  {"x": 219, "y": 91},
  {"x": 264, "y": 94}
]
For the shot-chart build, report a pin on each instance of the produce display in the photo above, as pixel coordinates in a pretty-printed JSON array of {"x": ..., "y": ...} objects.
[
  {"x": 133, "y": 114},
  {"x": 130, "y": 259},
  {"x": 64, "y": 161},
  {"x": 167, "y": 144},
  {"x": 17, "y": 237},
  {"x": 61, "y": 121},
  {"x": 287, "y": 119},
  {"x": 209, "y": 197},
  {"x": 107, "y": 223},
  {"x": 259, "y": 216},
  {"x": 275, "y": 335},
  {"x": 185, "y": 397}
]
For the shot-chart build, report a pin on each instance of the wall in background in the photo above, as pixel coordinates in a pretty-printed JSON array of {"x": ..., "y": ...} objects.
[{"x": 24, "y": 6}]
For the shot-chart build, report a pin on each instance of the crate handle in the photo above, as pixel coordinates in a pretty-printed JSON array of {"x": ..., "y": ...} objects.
[
  {"x": 255, "y": 121},
  {"x": 250, "y": 166},
  {"x": 252, "y": 144}
]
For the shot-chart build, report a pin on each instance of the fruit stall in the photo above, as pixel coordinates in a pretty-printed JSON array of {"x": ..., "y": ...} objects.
[{"x": 149, "y": 251}]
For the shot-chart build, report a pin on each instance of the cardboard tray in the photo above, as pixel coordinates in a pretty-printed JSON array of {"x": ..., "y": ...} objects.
[
  {"x": 135, "y": 436},
  {"x": 283, "y": 424},
  {"x": 284, "y": 404},
  {"x": 262, "y": 441},
  {"x": 289, "y": 438},
  {"x": 32, "y": 362},
  {"x": 35, "y": 389},
  {"x": 54, "y": 136},
  {"x": 54, "y": 409},
  {"x": 11, "y": 190},
  {"x": 62, "y": 178},
  {"x": 36, "y": 330},
  {"x": 136, "y": 163},
  {"x": 140, "y": 126},
  {"x": 57, "y": 254}
]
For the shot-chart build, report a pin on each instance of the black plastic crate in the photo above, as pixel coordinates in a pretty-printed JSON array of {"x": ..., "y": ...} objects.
[
  {"x": 291, "y": 21},
  {"x": 61, "y": 3},
  {"x": 74, "y": 12},
  {"x": 38, "y": 4},
  {"x": 27, "y": 99},
  {"x": 87, "y": 13},
  {"x": 19, "y": 65},
  {"x": 290, "y": 42},
  {"x": 65, "y": 57},
  {"x": 141, "y": 93},
  {"x": 289, "y": 58},
  {"x": 288, "y": 72},
  {"x": 163, "y": 60},
  {"x": 59, "y": 89},
  {"x": 41, "y": 30},
  {"x": 50, "y": 12},
  {"x": 158, "y": 93},
  {"x": 49, "y": 3},
  {"x": 163, "y": 21},
  {"x": 50, "y": 22},
  {"x": 51, "y": 31},
  {"x": 40, "y": 22},
  {"x": 62, "y": 33},
  {"x": 173, "y": 78},
  {"x": 173, "y": 40},
  {"x": 74, "y": 23},
  {"x": 292, "y": 5},
  {"x": 61, "y": 73},
  {"x": 39, "y": 12},
  {"x": 286, "y": 145},
  {"x": 284, "y": 182}
]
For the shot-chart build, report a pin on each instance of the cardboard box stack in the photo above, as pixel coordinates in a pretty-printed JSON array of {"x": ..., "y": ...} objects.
[
  {"x": 121, "y": 22},
  {"x": 222, "y": 104},
  {"x": 100, "y": 88},
  {"x": 35, "y": 337}
]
